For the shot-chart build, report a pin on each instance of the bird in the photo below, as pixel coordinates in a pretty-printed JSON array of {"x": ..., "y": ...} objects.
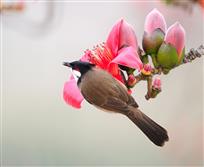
[{"x": 102, "y": 90}]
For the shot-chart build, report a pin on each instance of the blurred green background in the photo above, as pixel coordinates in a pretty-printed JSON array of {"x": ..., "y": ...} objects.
[{"x": 38, "y": 128}]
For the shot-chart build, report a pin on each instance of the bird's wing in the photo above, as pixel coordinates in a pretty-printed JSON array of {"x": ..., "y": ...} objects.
[
  {"x": 101, "y": 89},
  {"x": 115, "y": 104}
]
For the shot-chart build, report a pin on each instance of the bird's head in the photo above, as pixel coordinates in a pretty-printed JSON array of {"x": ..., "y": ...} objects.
[{"x": 79, "y": 66}]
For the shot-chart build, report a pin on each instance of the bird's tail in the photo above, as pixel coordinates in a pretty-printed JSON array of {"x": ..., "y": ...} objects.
[{"x": 157, "y": 134}]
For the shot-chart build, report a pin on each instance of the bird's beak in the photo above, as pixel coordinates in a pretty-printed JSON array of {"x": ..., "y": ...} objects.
[{"x": 67, "y": 64}]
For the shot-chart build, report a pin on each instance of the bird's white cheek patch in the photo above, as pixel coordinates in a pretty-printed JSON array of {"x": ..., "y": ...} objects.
[{"x": 76, "y": 74}]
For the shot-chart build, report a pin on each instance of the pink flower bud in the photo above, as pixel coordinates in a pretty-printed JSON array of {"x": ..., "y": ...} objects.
[
  {"x": 147, "y": 69},
  {"x": 157, "y": 83},
  {"x": 131, "y": 80},
  {"x": 176, "y": 36},
  {"x": 153, "y": 21}
]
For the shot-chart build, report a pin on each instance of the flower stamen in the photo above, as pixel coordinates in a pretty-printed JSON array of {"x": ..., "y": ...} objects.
[{"x": 100, "y": 55}]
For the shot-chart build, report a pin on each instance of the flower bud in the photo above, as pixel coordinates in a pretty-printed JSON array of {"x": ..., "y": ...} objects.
[
  {"x": 176, "y": 37},
  {"x": 157, "y": 83},
  {"x": 155, "y": 27},
  {"x": 155, "y": 20},
  {"x": 171, "y": 52},
  {"x": 147, "y": 69},
  {"x": 156, "y": 87},
  {"x": 131, "y": 81}
]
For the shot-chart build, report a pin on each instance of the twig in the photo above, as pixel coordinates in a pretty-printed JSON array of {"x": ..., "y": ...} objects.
[
  {"x": 151, "y": 91},
  {"x": 193, "y": 54},
  {"x": 140, "y": 77},
  {"x": 156, "y": 71},
  {"x": 149, "y": 88}
]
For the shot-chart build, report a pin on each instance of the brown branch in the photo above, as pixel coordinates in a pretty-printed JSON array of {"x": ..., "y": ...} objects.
[
  {"x": 151, "y": 91},
  {"x": 156, "y": 71},
  {"x": 149, "y": 88},
  {"x": 193, "y": 54},
  {"x": 140, "y": 77}
]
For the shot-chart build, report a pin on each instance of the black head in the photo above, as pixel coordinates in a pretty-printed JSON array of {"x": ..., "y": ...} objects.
[{"x": 80, "y": 66}]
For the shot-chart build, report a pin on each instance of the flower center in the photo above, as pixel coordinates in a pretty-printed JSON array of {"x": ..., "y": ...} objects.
[{"x": 100, "y": 55}]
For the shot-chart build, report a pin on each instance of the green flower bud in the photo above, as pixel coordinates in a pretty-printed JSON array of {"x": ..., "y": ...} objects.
[{"x": 168, "y": 57}]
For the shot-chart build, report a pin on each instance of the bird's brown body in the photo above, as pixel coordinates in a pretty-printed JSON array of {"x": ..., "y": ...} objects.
[
  {"x": 111, "y": 95},
  {"x": 100, "y": 89},
  {"x": 103, "y": 91}
]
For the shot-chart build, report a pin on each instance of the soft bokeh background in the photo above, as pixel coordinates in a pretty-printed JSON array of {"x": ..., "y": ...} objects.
[{"x": 38, "y": 128}]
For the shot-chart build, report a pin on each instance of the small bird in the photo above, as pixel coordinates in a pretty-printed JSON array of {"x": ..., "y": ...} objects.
[{"x": 103, "y": 91}]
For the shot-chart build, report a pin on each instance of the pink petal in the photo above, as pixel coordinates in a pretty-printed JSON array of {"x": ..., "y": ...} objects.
[
  {"x": 176, "y": 36},
  {"x": 128, "y": 57},
  {"x": 127, "y": 36},
  {"x": 154, "y": 20},
  {"x": 72, "y": 94},
  {"x": 122, "y": 34},
  {"x": 114, "y": 70}
]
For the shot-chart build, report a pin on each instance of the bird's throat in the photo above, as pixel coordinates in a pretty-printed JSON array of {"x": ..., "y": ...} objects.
[{"x": 76, "y": 75}]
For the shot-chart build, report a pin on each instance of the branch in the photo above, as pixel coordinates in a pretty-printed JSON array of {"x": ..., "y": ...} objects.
[
  {"x": 149, "y": 88},
  {"x": 193, "y": 54},
  {"x": 151, "y": 91}
]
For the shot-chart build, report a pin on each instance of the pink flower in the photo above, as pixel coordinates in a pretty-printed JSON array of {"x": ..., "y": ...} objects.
[
  {"x": 154, "y": 20},
  {"x": 176, "y": 36},
  {"x": 120, "y": 49},
  {"x": 157, "y": 83}
]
